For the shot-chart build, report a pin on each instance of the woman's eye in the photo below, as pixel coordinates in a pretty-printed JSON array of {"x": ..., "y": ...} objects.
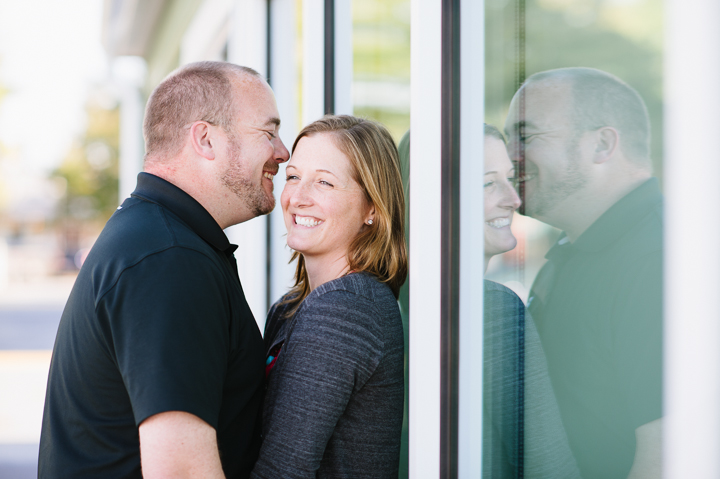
[
  {"x": 291, "y": 177},
  {"x": 325, "y": 183},
  {"x": 489, "y": 183}
]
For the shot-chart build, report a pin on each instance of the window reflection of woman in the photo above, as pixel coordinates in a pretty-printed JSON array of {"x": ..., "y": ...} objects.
[
  {"x": 522, "y": 430},
  {"x": 334, "y": 401}
]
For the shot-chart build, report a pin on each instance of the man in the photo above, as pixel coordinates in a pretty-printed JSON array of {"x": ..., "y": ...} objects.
[
  {"x": 158, "y": 364},
  {"x": 582, "y": 138}
]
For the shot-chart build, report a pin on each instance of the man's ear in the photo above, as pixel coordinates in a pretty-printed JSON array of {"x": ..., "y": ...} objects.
[
  {"x": 202, "y": 139},
  {"x": 607, "y": 140}
]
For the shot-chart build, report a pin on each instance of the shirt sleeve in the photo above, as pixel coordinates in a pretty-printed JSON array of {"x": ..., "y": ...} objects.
[
  {"x": 168, "y": 318},
  {"x": 333, "y": 347}
]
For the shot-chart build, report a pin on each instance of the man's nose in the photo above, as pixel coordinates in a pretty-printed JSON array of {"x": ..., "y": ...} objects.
[{"x": 281, "y": 153}]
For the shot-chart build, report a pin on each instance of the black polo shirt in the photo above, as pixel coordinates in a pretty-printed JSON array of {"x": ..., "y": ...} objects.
[
  {"x": 157, "y": 321},
  {"x": 597, "y": 304}
]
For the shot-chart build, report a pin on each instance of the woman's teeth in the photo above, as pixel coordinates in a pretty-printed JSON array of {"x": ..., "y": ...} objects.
[
  {"x": 268, "y": 175},
  {"x": 306, "y": 221},
  {"x": 499, "y": 223}
]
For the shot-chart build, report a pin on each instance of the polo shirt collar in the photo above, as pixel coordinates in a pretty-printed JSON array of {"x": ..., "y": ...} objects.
[
  {"x": 159, "y": 191},
  {"x": 616, "y": 221}
]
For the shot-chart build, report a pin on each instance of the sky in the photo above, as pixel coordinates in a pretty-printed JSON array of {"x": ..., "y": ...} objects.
[{"x": 50, "y": 53}]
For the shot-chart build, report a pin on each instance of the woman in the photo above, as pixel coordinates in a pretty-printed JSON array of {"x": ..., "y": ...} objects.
[
  {"x": 334, "y": 400},
  {"x": 522, "y": 430}
]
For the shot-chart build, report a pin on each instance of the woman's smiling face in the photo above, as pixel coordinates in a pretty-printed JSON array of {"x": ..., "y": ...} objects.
[
  {"x": 501, "y": 199},
  {"x": 323, "y": 206}
]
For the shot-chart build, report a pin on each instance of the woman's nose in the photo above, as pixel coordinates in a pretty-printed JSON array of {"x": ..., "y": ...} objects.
[
  {"x": 300, "y": 195},
  {"x": 510, "y": 199}
]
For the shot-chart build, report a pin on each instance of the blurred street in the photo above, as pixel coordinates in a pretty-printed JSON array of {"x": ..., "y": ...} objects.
[{"x": 29, "y": 315}]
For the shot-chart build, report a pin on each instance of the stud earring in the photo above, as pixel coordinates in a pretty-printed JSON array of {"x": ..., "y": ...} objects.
[{"x": 369, "y": 221}]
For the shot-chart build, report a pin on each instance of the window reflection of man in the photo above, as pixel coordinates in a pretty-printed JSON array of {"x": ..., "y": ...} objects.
[{"x": 582, "y": 138}]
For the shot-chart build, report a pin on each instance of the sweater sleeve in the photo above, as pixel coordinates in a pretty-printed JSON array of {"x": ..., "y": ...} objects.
[{"x": 333, "y": 346}]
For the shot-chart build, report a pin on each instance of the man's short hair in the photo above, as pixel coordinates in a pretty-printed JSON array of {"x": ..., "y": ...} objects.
[
  {"x": 197, "y": 91},
  {"x": 601, "y": 99}
]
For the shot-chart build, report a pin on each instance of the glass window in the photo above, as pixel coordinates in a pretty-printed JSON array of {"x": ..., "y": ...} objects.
[
  {"x": 381, "y": 91},
  {"x": 573, "y": 292}
]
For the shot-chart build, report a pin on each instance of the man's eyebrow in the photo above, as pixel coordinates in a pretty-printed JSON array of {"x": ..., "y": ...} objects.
[{"x": 273, "y": 121}]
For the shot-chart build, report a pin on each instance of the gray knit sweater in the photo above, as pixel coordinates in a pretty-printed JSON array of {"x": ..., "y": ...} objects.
[{"x": 334, "y": 399}]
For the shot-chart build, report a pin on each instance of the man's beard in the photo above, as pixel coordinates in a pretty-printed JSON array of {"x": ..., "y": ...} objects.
[
  {"x": 545, "y": 198},
  {"x": 240, "y": 182}
]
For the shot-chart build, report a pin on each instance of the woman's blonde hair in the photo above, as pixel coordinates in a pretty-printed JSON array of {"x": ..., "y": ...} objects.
[{"x": 380, "y": 248}]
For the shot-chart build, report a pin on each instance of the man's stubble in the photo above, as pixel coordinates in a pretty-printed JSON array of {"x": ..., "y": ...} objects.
[
  {"x": 239, "y": 180},
  {"x": 555, "y": 190}
]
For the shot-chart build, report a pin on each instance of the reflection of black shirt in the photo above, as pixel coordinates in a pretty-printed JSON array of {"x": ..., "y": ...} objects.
[
  {"x": 597, "y": 303},
  {"x": 157, "y": 321}
]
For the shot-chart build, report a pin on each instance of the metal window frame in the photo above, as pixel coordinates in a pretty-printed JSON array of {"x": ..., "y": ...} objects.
[
  {"x": 248, "y": 46},
  {"x": 450, "y": 236},
  {"x": 425, "y": 238},
  {"x": 446, "y": 293},
  {"x": 283, "y": 77},
  {"x": 472, "y": 119},
  {"x": 691, "y": 429}
]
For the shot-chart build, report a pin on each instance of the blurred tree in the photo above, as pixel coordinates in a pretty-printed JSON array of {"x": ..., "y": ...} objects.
[
  {"x": 90, "y": 169},
  {"x": 381, "y": 62},
  {"x": 89, "y": 177}
]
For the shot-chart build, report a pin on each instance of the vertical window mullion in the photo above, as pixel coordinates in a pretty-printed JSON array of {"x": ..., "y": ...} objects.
[{"x": 450, "y": 240}]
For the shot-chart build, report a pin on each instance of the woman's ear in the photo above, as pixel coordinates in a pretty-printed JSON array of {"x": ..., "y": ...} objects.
[
  {"x": 203, "y": 140},
  {"x": 606, "y": 143},
  {"x": 370, "y": 216}
]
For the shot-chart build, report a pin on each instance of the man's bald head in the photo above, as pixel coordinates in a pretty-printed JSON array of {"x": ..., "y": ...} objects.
[
  {"x": 197, "y": 91},
  {"x": 600, "y": 99}
]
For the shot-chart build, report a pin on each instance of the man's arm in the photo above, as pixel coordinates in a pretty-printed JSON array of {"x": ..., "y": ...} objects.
[
  {"x": 648, "y": 452},
  {"x": 179, "y": 445}
]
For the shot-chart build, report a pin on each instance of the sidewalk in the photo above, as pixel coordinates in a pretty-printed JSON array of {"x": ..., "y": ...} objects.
[
  {"x": 37, "y": 293},
  {"x": 29, "y": 315}
]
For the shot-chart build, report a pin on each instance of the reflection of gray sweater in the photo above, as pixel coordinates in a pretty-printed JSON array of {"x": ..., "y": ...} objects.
[
  {"x": 334, "y": 400},
  {"x": 521, "y": 420}
]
